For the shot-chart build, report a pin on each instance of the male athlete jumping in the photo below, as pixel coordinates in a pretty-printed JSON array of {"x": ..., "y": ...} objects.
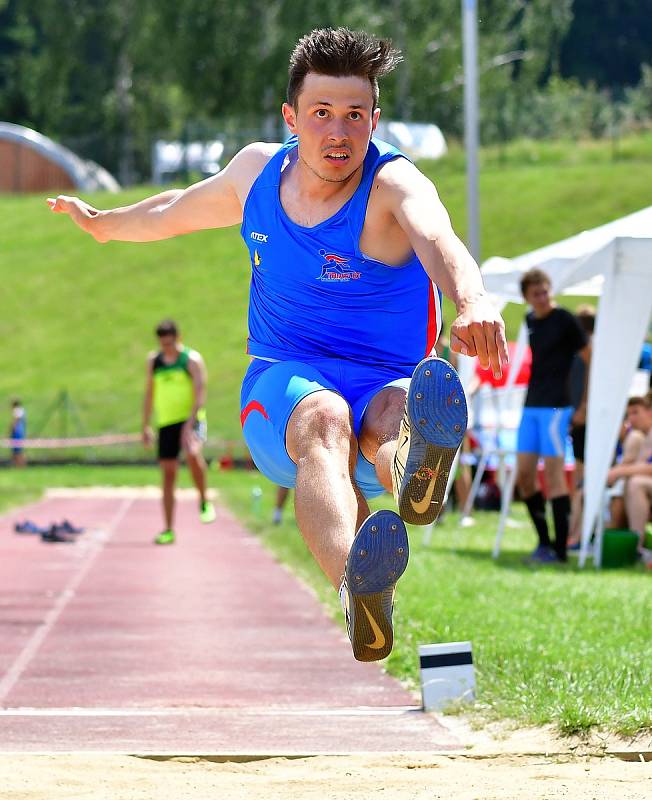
[{"x": 349, "y": 244}]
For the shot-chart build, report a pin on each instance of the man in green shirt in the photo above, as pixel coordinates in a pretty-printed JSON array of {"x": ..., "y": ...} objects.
[{"x": 175, "y": 389}]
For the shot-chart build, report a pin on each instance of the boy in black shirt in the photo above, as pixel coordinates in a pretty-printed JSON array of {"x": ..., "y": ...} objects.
[{"x": 555, "y": 337}]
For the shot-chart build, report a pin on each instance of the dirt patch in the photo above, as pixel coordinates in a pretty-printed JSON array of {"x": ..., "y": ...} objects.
[{"x": 114, "y": 777}]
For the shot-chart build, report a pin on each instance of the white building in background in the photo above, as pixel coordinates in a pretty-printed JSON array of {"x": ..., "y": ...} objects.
[
  {"x": 169, "y": 159},
  {"x": 415, "y": 139}
]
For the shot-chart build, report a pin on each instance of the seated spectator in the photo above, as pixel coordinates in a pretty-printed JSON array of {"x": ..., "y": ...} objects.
[
  {"x": 630, "y": 442},
  {"x": 637, "y": 474}
]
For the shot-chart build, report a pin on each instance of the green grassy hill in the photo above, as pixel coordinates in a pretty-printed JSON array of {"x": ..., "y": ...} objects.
[{"x": 79, "y": 316}]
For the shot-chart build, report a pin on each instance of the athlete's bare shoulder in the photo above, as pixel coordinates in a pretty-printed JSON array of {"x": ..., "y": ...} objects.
[
  {"x": 195, "y": 356},
  {"x": 401, "y": 175},
  {"x": 247, "y": 164},
  {"x": 149, "y": 362},
  {"x": 402, "y": 205}
]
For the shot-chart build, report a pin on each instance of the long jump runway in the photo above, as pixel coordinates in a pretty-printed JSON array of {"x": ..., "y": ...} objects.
[{"x": 205, "y": 647}]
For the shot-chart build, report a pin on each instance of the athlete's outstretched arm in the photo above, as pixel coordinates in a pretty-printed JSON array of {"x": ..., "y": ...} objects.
[
  {"x": 212, "y": 203},
  {"x": 478, "y": 329}
]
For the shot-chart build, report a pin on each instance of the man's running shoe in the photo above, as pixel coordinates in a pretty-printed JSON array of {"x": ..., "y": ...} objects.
[
  {"x": 207, "y": 512},
  {"x": 377, "y": 559},
  {"x": 55, "y": 535},
  {"x": 431, "y": 432},
  {"x": 167, "y": 537},
  {"x": 67, "y": 527},
  {"x": 29, "y": 527}
]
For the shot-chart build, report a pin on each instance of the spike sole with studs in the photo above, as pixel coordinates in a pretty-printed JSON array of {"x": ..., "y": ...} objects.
[
  {"x": 432, "y": 429},
  {"x": 377, "y": 559}
]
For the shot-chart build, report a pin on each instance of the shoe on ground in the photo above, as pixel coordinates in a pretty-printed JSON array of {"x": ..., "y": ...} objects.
[
  {"x": 55, "y": 535},
  {"x": 432, "y": 429},
  {"x": 542, "y": 555},
  {"x": 67, "y": 527},
  {"x": 29, "y": 527},
  {"x": 207, "y": 512},
  {"x": 377, "y": 559},
  {"x": 167, "y": 537}
]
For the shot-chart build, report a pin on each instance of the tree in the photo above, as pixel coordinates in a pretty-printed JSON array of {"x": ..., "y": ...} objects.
[{"x": 608, "y": 46}]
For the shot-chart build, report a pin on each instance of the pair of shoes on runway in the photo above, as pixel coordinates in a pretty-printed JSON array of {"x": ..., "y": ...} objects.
[
  {"x": 64, "y": 527},
  {"x": 432, "y": 429}
]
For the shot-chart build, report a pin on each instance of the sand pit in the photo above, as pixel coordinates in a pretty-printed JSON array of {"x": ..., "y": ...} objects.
[{"x": 399, "y": 777}]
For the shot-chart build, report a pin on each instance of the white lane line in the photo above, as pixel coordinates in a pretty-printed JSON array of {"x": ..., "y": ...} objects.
[
  {"x": 32, "y": 646},
  {"x": 387, "y": 711}
]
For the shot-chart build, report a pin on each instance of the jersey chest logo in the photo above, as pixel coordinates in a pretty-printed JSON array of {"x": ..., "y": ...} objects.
[{"x": 336, "y": 268}]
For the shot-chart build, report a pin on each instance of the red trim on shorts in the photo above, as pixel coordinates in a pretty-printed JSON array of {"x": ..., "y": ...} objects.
[
  {"x": 253, "y": 405},
  {"x": 431, "y": 337}
]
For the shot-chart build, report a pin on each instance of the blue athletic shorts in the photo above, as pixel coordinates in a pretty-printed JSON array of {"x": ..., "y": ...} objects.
[
  {"x": 272, "y": 390},
  {"x": 544, "y": 431}
]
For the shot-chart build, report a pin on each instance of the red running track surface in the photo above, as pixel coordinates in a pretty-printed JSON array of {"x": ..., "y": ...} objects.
[{"x": 208, "y": 646}]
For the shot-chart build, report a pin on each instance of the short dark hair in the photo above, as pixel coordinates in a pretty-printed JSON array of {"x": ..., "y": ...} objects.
[
  {"x": 646, "y": 401},
  {"x": 586, "y": 317},
  {"x": 340, "y": 52},
  {"x": 167, "y": 327},
  {"x": 533, "y": 277}
]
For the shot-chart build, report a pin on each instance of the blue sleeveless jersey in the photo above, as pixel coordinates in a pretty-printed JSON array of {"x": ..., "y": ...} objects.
[{"x": 314, "y": 294}]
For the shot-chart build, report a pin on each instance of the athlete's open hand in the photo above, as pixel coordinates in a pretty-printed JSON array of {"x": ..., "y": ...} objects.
[
  {"x": 81, "y": 213},
  {"x": 190, "y": 442},
  {"x": 479, "y": 331}
]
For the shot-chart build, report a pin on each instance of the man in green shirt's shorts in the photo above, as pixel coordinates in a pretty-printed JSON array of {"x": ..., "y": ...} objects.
[{"x": 175, "y": 389}]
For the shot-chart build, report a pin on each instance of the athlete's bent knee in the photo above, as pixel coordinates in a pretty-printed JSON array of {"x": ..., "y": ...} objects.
[
  {"x": 330, "y": 421},
  {"x": 324, "y": 420}
]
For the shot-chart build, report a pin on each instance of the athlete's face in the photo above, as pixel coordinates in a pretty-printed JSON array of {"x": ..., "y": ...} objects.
[
  {"x": 168, "y": 342},
  {"x": 539, "y": 297},
  {"x": 334, "y": 121}
]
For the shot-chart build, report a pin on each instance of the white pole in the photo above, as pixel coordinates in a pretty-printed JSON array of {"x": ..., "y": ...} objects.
[
  {"x": 471, "y": 122},
  {"x": 506, "y": 500}
]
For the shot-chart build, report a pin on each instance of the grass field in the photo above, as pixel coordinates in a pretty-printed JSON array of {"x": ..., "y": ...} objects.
[
  {"x": 79, "y": 316},
  {"x": 551, "y": 645}
]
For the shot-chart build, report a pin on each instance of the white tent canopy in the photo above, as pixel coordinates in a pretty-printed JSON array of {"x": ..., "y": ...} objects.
[{"x": 615, "y": 262}]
